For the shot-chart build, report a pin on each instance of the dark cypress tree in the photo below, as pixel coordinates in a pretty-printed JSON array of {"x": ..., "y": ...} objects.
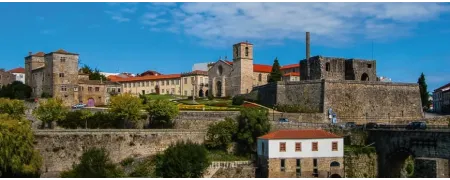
[
  {"x": 275, "y": 75},
  {"x": 424, "y": 95}
]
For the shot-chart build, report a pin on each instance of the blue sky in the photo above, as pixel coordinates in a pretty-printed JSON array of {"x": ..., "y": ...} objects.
[{"x": 408, "y": 38}]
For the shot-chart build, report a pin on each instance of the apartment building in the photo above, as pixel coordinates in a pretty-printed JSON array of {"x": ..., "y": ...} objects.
[
  {"x": 441, "y": 99},
  {"x": 300, "y": 153},
  {"x": 19, "y": 74},
  {"x": 187, "y": 84}
]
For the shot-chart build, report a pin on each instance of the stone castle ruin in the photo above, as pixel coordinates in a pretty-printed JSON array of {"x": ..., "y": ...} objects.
[{"x": 348, "y": 88}]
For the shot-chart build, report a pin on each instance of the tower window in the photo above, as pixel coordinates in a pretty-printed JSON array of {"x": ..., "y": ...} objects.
[
  {"x": 246, "y": 51},
  {"x": 63, "y": 59},
  {"x": 369, "y": 65},
  {"x": 327, "y": 66},
  {"x": 61, "y": 74}
]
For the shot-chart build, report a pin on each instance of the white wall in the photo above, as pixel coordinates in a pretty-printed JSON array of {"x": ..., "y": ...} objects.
[
  {"x": 20, "y": 77},
  {"x": 324, "y": 148}
]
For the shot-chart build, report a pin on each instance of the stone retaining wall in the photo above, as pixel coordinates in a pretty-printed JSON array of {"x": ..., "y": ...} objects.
[
  {"x": 61, "y": 148},
  {"x": 201, "y": 119}
]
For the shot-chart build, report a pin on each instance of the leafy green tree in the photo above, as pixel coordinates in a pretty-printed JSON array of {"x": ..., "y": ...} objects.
[
  {"x": 49, "y": 111},
  {"x": 424, "y": 95},
  {"x": 94, "y": 163},
  {"x": 252, "y": 123},
  {"x": 126, "y": 107},
  {"x": 275, "y": 75},
  {"x": 162, "y": 112},
  {"x": 182, "y": 160},
  {"x": 16, "y": 90},
  {"x": 17, "y": 155},
  {"x": 238, "y": 100},
  {"x": 94, "y": 74},
  {"x": 14, "y": 108},
  {"x": 76, "y": 119},
  {"x": 222, "y": 134}
]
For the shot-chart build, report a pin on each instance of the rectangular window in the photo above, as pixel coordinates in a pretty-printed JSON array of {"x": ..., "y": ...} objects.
[
  {"x": 178, "y": 82},
  {"x": 118, "y": 90},
  {"x": 185, "y": 80},
  {"x": 334, "y": 146},
  {"x": 369, "y": 65},
  {"x": 298, "y": 168},
  {"x": 97, "y": 89},
  {"x": 63, "y": 88},
  {"x": 282, "y": 165},
  {"x": 63, "y": 59},
  {"x": 201, "y": 79},
  {"x": 61, "y": 74},
  {"x": 315, "y": 163},
  {"x": 262, "y": 148},
  {"x": 134, "y": 84},
  {"x": 147, "y": 83},
  {"x": 152, "y": 83},
  {"x": 163, "y": 91},
  {"x": 192, "y": 80},
  {"x": 162, "y": 83},
  {"x": 89, "y": 89},
  {"x": 298, "y": 147},
  {"x": 315, "y": 146},
  {"x": 173, "y": 82},
  {"x": 282, "y": 147}
]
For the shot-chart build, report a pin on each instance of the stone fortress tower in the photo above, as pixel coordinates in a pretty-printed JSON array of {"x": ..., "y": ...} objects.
[
  {"x": 32, "y": 62},
  {"x": 332, "y": 68},
  {"x": 242, "y": 76}
]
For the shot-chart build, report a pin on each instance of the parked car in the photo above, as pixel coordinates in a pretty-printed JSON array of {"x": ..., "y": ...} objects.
[
  {"x": 417, "y": 125},
  {"x": 78, "y": 106},
  {"x": 371, "y": 125},
  {"x": 283, "y": 120},
  {"x": 350, "y": 125}
]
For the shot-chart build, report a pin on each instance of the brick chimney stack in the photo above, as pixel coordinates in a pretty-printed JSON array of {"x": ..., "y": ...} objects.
[{"x": 307, "y": 55}]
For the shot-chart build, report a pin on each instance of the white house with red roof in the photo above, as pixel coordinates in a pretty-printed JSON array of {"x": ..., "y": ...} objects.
[
  {"x": 19, "y": 73},
  {"x": 300, "y": 153},
  {"x": 239, "y": 76}
]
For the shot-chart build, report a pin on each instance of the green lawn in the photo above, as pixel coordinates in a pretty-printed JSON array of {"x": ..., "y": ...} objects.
[
  {"x": 161, "y": 96},
  {"x": 214, "y": 102},
  {"x": 216, "y": 155}
]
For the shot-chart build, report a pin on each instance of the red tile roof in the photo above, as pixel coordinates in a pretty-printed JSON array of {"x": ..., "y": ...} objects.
[
  {"x": 146, "y": 78},
  {"x": 39, "y": 54},
  {"x": 289, "y": 66},
  {"x": 262, "y": 68},
  {"x": 300, "y": 134},
  {"x": 292, "y": 74},
  {"x": 17, "y": 70}
]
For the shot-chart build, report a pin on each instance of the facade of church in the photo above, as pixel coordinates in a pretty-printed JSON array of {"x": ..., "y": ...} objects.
[{"x": 239, "y": 76}]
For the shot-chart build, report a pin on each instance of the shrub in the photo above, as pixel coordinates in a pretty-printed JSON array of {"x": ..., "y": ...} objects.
[
  {"x": 162, "y": 112},
  {"x": 182, "y": 160},
  {"x": 46, "y": 95},
  {"x": 221, "y": 135},
  {"x": 94, "y": 163},
  {"x": 238, "y": 100},
  {"x": 210, "y": 97},
  {"x": 127, "y": 161},
  {"x": 146, "y": 168}
]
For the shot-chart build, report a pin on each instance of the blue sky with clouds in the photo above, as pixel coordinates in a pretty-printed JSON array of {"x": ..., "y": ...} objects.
[{"x": 408, "y": 38}]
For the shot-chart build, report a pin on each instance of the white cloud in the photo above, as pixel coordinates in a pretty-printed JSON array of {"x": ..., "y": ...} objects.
[
  {"x": 329, "y": 23},
  {"x": 117, "y": 16}
]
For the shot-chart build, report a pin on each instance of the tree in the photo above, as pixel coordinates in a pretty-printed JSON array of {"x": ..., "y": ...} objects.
[
  {"x": 252, "y": 123},
  {"x": 275, "y": 74},
  {"x": 14, "y": 108},
  {"x": 182, "y": 160},
  {"x": 162, "y": 112},
  {"x": 126, "y": 107},
  {"x": 16, "y": 90},
  {"x": 17, "y": 155},
  {"x": 424, "y": 95},
  {"x": 49, "y": 111},
  {"x": 76, "y": 119},
  {"x": 238, "y": 100},
  {"x": 222, "y": 134},
  {"x": 94, "y": 163},
  {"x": 93, "y": 74}
]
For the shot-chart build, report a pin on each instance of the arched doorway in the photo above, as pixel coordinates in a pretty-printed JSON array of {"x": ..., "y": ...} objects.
[
  {"x": 335, "y": 168},
  {"x": 200, "y": 93},
  {"x": 219, "y": 88},
  {"x": 91, "y": 102},
  {"x": 206, "y": 93},
  {"x": 365, "y": 77},
  {"x": 399, "y": 164},
  {"x": 157, "y": 89}
]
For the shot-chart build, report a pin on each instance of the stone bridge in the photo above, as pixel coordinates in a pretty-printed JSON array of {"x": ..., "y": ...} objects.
[{"x": 430, "y": 149}]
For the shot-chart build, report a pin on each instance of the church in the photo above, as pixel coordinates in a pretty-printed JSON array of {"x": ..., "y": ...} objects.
[{"x": 239, "y": 76}]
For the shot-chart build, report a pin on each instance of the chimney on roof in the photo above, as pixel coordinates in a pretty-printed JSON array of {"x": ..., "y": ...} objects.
[
  {"x": 307, "y": 55},
  {"x": 29, "y": 53}
]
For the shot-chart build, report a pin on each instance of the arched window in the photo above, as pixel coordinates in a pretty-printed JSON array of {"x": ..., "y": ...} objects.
[
  {"x": 260, "y": 77},
  {"x": 246, "y": 51},
  {"x": 335, "y": 164},
  {"x": 220, "y": 70},
  {"x": 327, "y": 66},
  {"x": 364, "y": 77}
]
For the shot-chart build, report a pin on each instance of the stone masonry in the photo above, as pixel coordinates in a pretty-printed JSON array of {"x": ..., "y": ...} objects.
[
  {"x": 307, "y": 167},
  {"x": 61, "y": 148}
]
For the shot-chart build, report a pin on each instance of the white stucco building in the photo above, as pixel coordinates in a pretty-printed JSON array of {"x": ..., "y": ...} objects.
[
  {"x": 300, "y": 153},
  {"x": 19, "y": 73}
]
